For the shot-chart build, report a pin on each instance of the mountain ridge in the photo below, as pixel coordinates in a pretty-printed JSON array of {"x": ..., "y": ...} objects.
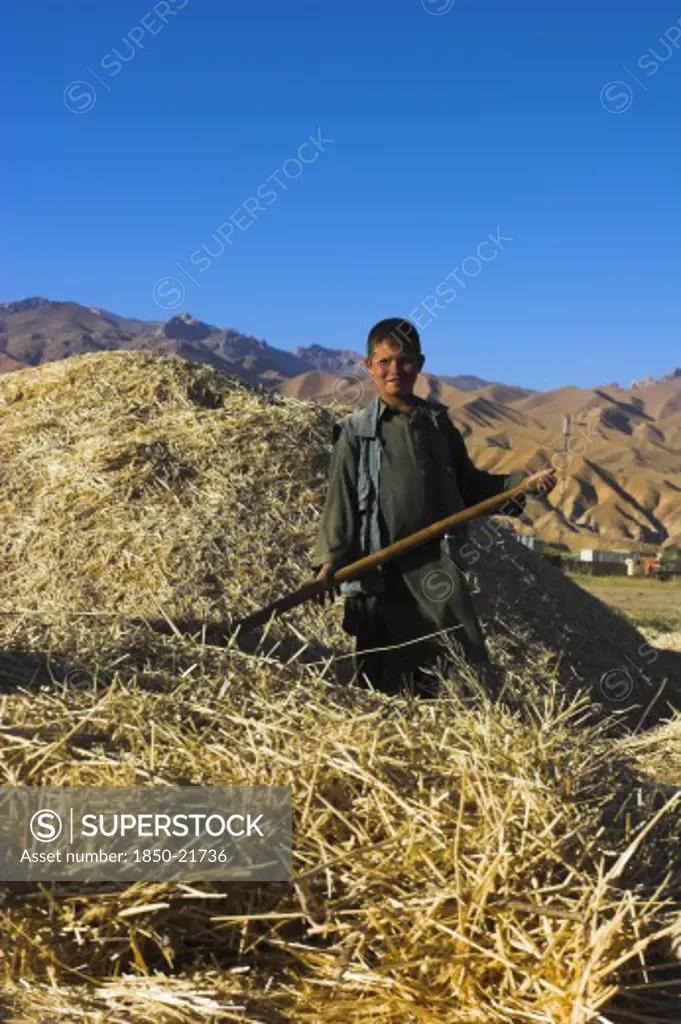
[{"x": 618, "y": 450}]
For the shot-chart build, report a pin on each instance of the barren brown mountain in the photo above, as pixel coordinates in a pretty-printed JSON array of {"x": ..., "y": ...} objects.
[
  {"x": 619, "y": 467},
  {"x": 35, "y": 331}
]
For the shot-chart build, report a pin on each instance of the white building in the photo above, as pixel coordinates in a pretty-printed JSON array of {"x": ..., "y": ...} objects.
[{"x": 591, "y": 555}]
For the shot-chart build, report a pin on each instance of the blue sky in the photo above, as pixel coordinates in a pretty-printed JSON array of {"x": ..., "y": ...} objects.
[{"x": 450, "y": 123}]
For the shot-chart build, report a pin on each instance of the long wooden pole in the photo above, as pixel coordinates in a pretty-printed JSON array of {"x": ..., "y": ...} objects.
[{"x": 400, "y": 547}]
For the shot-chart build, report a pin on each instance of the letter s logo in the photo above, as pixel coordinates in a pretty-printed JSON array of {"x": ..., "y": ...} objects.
[
  {"x": 614, "y": 100},
  {"x": 45, "y": 826}
]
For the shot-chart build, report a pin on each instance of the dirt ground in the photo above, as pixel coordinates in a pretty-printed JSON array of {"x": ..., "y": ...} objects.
[{"x": 654, "y": 606}]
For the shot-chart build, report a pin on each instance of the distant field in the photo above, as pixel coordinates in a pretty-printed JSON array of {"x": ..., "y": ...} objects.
[{"x": 650, "y": 604}]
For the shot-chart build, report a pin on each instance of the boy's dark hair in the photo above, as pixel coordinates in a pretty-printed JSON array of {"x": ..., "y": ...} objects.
[{"x": 396, "y": 329}]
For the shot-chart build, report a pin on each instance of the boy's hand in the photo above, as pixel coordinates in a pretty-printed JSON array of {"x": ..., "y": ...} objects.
[
  {"x": 543, "y": 482},
  {"x": 331, "y": 589}
]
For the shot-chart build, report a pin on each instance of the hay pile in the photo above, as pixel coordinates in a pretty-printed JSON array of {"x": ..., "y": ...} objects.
[
  {"x": 130, "y": 482},
  {"x": 453, "y": 862},
  {"x": 136, "y": 489},
  {"x": 595, "y": 648}
]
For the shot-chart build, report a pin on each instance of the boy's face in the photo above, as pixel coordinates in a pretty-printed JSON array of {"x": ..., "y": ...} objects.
[{"x": 394, "y": 367}]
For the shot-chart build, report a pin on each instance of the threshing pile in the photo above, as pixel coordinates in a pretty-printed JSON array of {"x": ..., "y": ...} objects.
[{"x": 454, "y": 861}]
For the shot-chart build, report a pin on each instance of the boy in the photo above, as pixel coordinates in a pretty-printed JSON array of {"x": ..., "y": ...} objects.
[{"x": 398, "y": 465}]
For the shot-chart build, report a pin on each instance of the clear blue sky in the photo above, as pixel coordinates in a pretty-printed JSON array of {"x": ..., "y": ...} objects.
[{"x": 446, "y": 127}]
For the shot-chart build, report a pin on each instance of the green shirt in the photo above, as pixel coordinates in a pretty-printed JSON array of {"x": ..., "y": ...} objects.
[{"x": 411, "y": 493}]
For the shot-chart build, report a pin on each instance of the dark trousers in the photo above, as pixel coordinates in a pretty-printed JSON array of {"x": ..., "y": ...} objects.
[{"x": 385, "y": 621}]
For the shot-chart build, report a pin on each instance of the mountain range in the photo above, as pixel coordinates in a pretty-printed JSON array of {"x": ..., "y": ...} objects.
[
  {"x": 35, "y": 331},
  {"x": 617, "y": 450}
]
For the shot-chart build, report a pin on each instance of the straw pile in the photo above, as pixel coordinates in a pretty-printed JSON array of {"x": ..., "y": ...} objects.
[
  {"x": 131, "y": 482},
  {"x": 136, "y": 489},
  {"x": 453, "y": 861},
  {"x": 452, "y": 864}
]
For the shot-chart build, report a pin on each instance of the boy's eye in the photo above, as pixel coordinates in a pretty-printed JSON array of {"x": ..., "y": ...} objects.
[{"x": 401, "y": 363}]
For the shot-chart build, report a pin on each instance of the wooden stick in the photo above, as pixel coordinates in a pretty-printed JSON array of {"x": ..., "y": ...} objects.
[{"x": 400, "y": 547}]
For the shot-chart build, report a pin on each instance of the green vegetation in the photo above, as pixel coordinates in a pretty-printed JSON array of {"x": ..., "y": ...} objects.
[
  {"x": 647, "y": 603},
  {"x": 662, "y": 625}
]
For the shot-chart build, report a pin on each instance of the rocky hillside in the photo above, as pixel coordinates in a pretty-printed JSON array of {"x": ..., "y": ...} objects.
[
  {"x": 36, "y": 331},
  {"x": 620, "y": 463}
]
